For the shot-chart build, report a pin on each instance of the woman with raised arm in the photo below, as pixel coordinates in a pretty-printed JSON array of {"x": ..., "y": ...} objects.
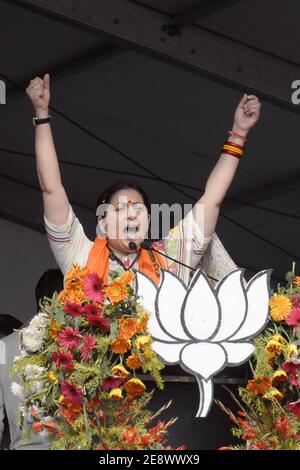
[{"x": 124, "y": 223}]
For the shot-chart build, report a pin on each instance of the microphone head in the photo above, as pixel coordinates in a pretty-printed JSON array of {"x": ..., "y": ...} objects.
[
  {"x": 132, "y": 245},
  {"x": 146, "y": 244}
]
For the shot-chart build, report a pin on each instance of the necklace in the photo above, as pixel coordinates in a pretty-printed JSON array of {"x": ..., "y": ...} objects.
[{"x": 120, "y": 262}]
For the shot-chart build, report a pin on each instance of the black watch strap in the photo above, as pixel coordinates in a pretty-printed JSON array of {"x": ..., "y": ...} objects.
[{"x": 38, "y": 121}]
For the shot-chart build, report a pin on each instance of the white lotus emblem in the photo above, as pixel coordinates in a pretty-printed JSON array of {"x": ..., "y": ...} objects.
[{"x": 205, "y": 329}]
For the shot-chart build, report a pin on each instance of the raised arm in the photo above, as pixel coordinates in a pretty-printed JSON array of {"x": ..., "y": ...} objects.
[
  {"x": 246, "y": 115},
  {"x": 56, "y": 204}
]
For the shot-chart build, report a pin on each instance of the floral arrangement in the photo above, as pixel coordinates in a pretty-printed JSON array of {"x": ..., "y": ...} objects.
[
  {"x": 79, "y": 366},
  {"x": 269, "y": 415}
]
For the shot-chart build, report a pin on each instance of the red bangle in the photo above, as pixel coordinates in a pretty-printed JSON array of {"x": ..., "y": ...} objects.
[
  {"x": 230, "y": 152},
  {"x": 237, "y": 135},
  {"x": 233, "y": 144}
]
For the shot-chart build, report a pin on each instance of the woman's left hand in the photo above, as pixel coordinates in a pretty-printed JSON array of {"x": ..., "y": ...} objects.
[{"x": 247, "y": 113}]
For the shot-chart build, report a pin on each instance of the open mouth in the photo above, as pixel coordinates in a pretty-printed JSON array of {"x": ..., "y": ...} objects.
[{"x": 131, "y": 230}]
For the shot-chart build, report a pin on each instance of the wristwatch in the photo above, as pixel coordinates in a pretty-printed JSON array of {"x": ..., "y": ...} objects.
[{"x": 38, "y": 121}]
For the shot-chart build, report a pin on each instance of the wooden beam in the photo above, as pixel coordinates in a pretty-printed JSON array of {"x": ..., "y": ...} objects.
[
  {"x": 199, "y": 11},
  {"x": 141, "y": 28},
  {"x": 76, "y": 64}
]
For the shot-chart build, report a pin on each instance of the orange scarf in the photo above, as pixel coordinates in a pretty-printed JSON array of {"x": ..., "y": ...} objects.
[{"x": 149, "y": 261}]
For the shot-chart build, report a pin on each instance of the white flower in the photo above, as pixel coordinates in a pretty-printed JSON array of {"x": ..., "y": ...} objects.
[
  {"x": 32, "y": 371},
  {"x": 17, "y": 391},
  {"x": 205, "y": 329},
  {"x": 34, "y": 334}
]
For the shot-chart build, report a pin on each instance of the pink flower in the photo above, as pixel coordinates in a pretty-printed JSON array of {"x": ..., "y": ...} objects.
[
  {"x": 293, "y": 318},
  {"x": 69, "y": 338},
  {"x": 93, "y": 287},
  {"x": 93, "y": 315},
  {"x": 110, "y": 383},
  {"x": 87, "y": 347},
  {"x": 71, "y": 392},
  {"x": 295, "y": 407},
  {"x": 295, "y": 301},
  {"x": 291, "y": 368},
  {"x": 64, "y": 359},
  {"x": 73, "y": 309}
]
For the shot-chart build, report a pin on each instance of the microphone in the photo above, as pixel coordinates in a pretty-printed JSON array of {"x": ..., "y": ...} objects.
[
  {"x": 147, "y": 245},
  {"x": 132, "y": 245}
]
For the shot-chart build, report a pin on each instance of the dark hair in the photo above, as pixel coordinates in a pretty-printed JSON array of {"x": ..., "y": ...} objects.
[
  {"x": 106, "y": 196},
  {"x": 8, "y": 324},
  {"x": 51, "y": 281}
]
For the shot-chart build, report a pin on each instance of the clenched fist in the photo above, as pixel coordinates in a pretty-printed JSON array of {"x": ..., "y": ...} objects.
[
  {"x": 247, "y": 113},
  {"x": 39, "y": 93}
]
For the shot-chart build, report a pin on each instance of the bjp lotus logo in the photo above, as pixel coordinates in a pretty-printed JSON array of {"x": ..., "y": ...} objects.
[{"x": 205, "y": 329}]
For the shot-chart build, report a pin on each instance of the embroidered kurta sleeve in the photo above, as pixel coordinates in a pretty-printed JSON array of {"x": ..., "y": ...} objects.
[
  {"x": 68, "y": 243},
  {"x": 186, "y": 243}
]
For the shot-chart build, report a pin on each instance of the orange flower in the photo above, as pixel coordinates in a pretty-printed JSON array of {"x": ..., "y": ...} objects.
[
  {"x": 72, "y": 295},
  {"x": 127, "y": 277},
  {"x": 70, "y": 412},
  {"x": 133, "y": 361},
  {"x": 54, "y": 329},
  {"x": 116, "y": 291},
  {"x": 297, "y": 281},
  {"x": 259, "y": 385},
  {"x": 74, "y": 277},
  {"x": 280, "y": 306},
  {"x": 120, "y": 345},
  {"x": 134, "y": 388},
  {"x": 127, "y": 327}
]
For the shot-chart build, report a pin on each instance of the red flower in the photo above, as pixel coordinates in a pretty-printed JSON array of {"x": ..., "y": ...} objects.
[
  {"x": 93, "y": 315},
  {"x": 69, "y": 338},
  {"x": 87, "y": 347},
  {"x": 93, "y": 287},
  {"x": 110, "y": 383},
  {"x": 73, "y": 309},
  {"x": 295, "y": 407},
  {"x": 293, "y": 318},
  {"x": 64, "y": 359},
  {"x": 71, "y": 392},
  {"x": 284, "y": 427}
]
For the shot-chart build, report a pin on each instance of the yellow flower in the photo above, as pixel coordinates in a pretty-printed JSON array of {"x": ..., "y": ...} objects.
[
  {"x": 54, "y": 329},
  {"x": 53, "y": 378},
  {"x": 134, "y": 388},
  {"x": 120, "y": 371},
  {"x": 272, "y": 394},
  {"x": 275, "y": 345},
  {"x": 297, "y": 280},
  {"x": 61, "y": 399},
  {"x": 279, "y": 376},
  {"x": 280, "y": 306},
  {"x": 142, "y": 322},
  {"x": 142, "y": 341},
  {"x": 291, "y": 351},
  {"x": 115, "y": 394}
]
